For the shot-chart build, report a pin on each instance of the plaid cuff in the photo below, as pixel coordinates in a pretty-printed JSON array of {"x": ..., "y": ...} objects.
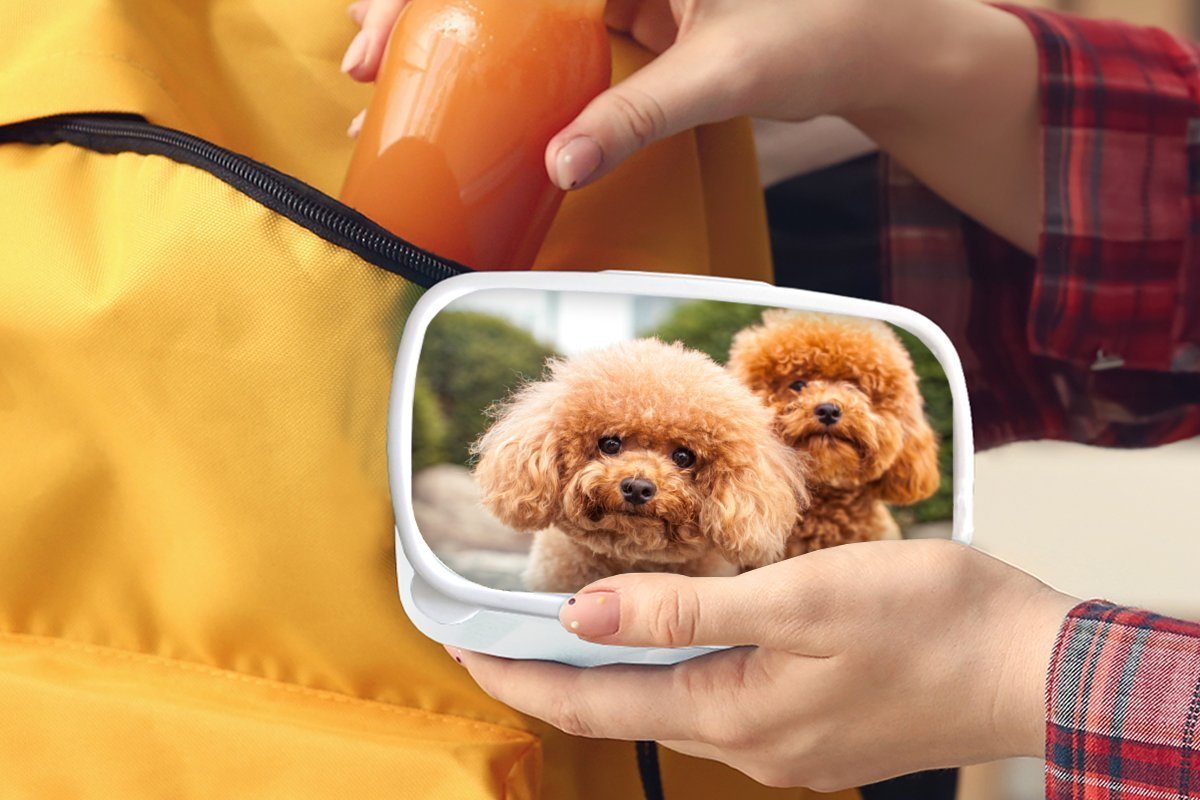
[
  {"x": 1121, "y": 120},
  {"x": 1123, "y": 700}
]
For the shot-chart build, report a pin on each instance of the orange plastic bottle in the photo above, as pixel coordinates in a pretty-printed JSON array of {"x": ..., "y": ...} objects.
[{"x": 452, "y": 150}]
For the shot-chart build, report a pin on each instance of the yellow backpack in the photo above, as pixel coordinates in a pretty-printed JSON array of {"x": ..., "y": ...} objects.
[{"x": 197, "y": 587}]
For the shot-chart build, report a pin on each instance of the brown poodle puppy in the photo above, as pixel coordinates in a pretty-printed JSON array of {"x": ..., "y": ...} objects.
[
  {"x": 844, "y": 392},
  {"x": 640, "y": 457}
]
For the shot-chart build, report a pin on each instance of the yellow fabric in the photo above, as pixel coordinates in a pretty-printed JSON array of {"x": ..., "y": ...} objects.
[
  {"x": 260, "y": 77},
  {"x": 164, "y": 727},
  {"x": 197, "y": 591}
]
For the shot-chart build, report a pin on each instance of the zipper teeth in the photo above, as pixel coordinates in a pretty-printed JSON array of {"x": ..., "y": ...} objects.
[{"x": 393, "y": 249}]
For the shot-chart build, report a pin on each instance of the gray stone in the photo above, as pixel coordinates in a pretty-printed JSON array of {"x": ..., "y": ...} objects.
[{"x": 451, "y": 517}]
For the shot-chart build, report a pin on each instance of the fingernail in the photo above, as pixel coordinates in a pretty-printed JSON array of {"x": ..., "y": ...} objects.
[
  {"x": 592, "y": 614},
  {"x": 356, "y": 125},
  {"x": 577, "y": 161},
  {"x": 356, "y": 11},
  {"x": 356, "y": 52},
  {"x": 454, "y": 652}
]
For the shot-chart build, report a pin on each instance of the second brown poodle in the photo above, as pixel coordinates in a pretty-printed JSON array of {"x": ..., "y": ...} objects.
[
  {"x": 641, "y": 457},
  {"x": 844, "y": 392}
]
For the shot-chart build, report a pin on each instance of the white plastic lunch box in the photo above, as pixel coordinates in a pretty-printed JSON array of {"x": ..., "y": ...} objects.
[{"x": 519, "y": 624}]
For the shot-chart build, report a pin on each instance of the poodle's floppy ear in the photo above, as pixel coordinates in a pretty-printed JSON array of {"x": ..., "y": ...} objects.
[
  {"x": 753, "y": 506},
  {"x": 517, "y": 467},
  {"x": 914, "y": 475}
]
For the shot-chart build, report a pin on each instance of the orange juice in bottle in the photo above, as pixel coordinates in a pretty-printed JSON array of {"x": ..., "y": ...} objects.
[{"x": 451, "y": 153}]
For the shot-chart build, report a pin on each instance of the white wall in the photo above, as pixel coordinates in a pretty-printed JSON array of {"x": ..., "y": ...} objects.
[{"x": 1120, "y": 525}]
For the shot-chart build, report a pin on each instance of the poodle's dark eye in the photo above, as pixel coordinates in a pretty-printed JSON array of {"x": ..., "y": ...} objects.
[
  {"x": 797, "y": 386},
  {"x": 610, "y": 445},
  {"x": 683, "y": 457}
]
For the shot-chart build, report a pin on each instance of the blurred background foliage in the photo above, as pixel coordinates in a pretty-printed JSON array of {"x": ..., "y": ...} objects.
[
  {"x": 469, "y": 360},
  {"x": 472, "y": 359},
  {"x": 706, "y": 325},
  {"x": 430, "y": 436},
  {"x": 939, "y": 409}
]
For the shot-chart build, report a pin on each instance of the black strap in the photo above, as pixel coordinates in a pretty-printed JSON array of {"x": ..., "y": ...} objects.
[
  {"x": 937, "y": 785},
  {"x": 934, "y": 785},
  {"x": 647, "y": 758}
]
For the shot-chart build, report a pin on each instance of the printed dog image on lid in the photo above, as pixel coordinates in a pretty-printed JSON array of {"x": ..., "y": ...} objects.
[{"x": 560, "y": 437}]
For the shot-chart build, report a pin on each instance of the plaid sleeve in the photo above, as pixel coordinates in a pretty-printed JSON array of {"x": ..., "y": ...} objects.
[
  {"x": 1123, "y": 704},
  {"x": 1097, "y": 339},
  {"x": 1117, "y": 281}
]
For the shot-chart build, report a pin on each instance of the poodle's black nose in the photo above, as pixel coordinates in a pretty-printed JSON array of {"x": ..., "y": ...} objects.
[
  {"x": 638, "y": 490},
  {"x": 828, "y": 414}
]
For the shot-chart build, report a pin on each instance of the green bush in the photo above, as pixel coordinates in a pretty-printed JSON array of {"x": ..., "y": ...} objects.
[
  {"x": 471, "y": 360},
  {"x": 429, "y": 427},
  {"x": 707, "y": 325},
  {"x": 939, "y": 408}
]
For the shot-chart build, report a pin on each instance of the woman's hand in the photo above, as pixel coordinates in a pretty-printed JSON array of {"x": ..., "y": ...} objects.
[
  {"x": 855, "y": 664},
  {"x": 717, "y": 59},
  {"x": 947, "y": 87}
]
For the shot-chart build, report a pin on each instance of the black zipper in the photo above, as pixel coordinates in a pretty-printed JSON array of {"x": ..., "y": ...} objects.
[{"x": 318, "y": 212}]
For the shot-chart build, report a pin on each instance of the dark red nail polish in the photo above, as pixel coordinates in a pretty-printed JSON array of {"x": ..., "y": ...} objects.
[{"x": 571, "y": 602}]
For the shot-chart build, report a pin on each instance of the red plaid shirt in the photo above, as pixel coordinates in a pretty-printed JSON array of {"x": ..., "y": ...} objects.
[
  {"x": 1124, "y": 707},
  {"x": 1095, "y": 340}
]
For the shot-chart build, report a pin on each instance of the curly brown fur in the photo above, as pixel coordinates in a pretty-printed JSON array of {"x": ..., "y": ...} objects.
[
  {"x": 880, "y": 450},
  {"x": 542, "y": 469}
]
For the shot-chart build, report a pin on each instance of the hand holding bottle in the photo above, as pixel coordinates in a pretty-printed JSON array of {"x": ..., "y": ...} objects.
[{"x": 910, "y": 73}]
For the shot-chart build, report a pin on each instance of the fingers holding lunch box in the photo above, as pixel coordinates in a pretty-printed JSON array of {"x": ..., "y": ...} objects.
[
  {"x": 903, "y": 649},
  {"x": 662, "y": 610}
]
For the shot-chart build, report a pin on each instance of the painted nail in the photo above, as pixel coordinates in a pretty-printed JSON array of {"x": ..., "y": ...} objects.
[
  {"x": 356, "y": 53},
  {"x": 571, "y": 602},
  {"x": 593, "y": 614},
  {"x": 454, "y": 652},
  {"x": 577, "y": 161}
]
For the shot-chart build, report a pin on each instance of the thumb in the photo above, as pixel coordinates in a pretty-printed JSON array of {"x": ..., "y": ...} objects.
[
  {"x": 680, "y": 89},
  {"x": 664, "y": 610}
]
